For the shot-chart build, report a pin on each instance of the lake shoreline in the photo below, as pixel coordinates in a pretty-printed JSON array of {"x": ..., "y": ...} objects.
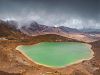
[{"x": 78, "y": 61}]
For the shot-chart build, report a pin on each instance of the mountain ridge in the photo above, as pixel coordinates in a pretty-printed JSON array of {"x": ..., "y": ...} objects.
[
  {"x": 10, "y": 28},
  {"x": 34, "y": 28}
]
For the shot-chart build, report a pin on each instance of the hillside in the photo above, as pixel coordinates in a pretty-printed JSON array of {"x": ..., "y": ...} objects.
[{"x": 13, "y": 62}]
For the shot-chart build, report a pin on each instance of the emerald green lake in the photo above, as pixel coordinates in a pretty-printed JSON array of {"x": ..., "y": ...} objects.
[{"x": 57, "y": 54}]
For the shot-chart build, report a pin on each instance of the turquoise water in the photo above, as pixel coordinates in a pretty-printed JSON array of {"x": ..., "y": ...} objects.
[{"x": 57, "y": 54}]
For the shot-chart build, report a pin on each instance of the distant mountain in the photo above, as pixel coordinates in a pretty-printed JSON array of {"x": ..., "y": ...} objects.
[
  {"x": 12, "y": 24},
  {"x": 35, "y": 28},
  {"x": 91, "y": 31},
  {"x": 67, "y": 29},
  {"x": 9, "y": 30}
]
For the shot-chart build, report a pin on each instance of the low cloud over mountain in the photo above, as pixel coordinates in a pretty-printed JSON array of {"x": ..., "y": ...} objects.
[{"x": 70, "y": 13}]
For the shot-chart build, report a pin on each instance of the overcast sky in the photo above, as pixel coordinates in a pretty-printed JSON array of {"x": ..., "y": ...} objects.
[{"x": 70, "y": 13}]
